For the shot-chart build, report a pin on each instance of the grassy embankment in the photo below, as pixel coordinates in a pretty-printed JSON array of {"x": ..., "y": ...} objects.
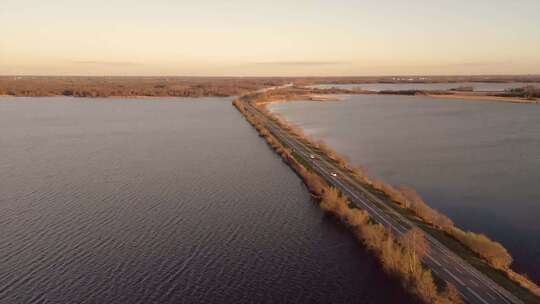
[
  {"x": 400, "y": 257},
  {"x": 486, "y": 255}
]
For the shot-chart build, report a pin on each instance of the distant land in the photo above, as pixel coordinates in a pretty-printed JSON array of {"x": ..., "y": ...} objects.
[{"x": 179, "y": 86}]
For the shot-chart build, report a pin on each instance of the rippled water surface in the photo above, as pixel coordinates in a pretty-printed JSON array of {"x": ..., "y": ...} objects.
[
  {"x": 478, "y": 162},
  {"x": 163, "y": 201},
  {"x": 477, "y": 86}
]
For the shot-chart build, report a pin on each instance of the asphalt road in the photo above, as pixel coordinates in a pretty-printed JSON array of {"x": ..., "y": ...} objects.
[{"x": 474, "y": 286}]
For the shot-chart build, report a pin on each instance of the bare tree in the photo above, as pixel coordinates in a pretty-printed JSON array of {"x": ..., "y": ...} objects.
[
  {"x": 451, "y": 293},
  {"x": 416, "y": 247}
]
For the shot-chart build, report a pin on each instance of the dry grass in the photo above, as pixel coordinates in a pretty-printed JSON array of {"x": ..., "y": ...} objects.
[
  {"x": 524, "y": 281},
  {"x": 490, "y": 251},
  {"x": 133, "y": 86},
  {"x": 425, "y": 212},
  {"x": 401, "y": 258},
  {"x": 493, "y": 252}
]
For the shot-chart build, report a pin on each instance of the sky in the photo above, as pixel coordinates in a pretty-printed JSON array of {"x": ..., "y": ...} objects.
[{"x": 269, "y": 38}]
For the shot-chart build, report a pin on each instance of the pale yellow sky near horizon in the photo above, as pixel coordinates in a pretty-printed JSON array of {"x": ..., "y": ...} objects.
[{"x": 277, "y": 38}]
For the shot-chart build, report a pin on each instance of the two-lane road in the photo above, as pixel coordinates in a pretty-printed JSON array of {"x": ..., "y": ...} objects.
[{"x": 474, "y": 286}]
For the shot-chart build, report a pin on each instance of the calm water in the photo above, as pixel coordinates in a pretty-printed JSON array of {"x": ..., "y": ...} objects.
[
  {"x": 163, "y": 201},
  {"x": 478, "y": 86},
  {"x": 478, "y": 162}
]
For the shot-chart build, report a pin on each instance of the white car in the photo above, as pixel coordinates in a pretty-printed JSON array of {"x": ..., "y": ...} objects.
[
  {"x": 334, "y": 174},
  {"x": 312, "y": 156}
]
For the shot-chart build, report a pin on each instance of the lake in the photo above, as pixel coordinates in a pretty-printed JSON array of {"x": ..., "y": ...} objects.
[
  {"x": 163, "y": 201},
  {"x": 476, "y": 161},
  {"x": 477, "y": 86}
]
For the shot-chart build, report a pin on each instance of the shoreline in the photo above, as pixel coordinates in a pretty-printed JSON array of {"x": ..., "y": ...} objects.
[
  {"x": 375, "y": 238},
  {"x": 450, "y": 236},
  {"x": 308, "y": 97},
  {"x": 117, "y": 97},
  {"x": 320, "y": 95},
  {"x": 467, "y": 97}
]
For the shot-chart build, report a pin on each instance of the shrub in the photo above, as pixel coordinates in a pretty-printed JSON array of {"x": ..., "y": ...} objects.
[
  {"x": 451, "y": 293},
  {"x": 399, "y": 257},
  {"x": 493, "y": 252},
  {"x": 422, "y": 210},
  {"x": 393, "y": 194},
  {"x": 415, "y": 248},
  {"x": 463, "y": 89},
  {"x": 524, "y": 92}
]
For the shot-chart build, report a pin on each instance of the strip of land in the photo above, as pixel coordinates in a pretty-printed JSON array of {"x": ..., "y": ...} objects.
[
  {"x": 484, "y": 98},
  {"x": 144, "y": 87},
  {"x": 449, "y": 260}
]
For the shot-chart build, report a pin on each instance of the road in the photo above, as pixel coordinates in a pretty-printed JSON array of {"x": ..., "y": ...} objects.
[{"x": 474, "y": 286}]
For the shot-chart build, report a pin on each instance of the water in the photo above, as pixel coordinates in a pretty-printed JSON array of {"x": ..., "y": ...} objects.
[
  {"x": 478, "y": 162},
  {"x": 478, "y": 86},
  {"x": 163, "y": 201}
]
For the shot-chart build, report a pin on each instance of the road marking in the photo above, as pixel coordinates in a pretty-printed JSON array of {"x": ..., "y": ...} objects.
[
  {"x": 504, "y": 299},
  {"x": 490, "y": 295},
  {"x": 454, "y": 277},
  {"x": 474, "y": 283},
  {"x": 372, "y": 202},
  {"x": 400, "y": 226},
  {"x": 477, "y": 295},
  {"x": 433, "y": 260},
  {"x": 463, "y": 295}
]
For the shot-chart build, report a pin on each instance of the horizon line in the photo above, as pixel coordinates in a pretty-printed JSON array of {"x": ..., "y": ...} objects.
[{"x": 276, "y": 76}]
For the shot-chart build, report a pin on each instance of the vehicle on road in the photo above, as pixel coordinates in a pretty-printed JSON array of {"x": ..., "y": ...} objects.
[
  {"x": 334, "y": 174},
  {"x": 312, "y": 156}
]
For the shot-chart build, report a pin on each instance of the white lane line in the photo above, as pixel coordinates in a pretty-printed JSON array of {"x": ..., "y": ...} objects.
[
  {"x": 433, "y": 260},
  {"x": 454, "y": 277},
  {"x": 463, "y": 296},
  {"x": 494, "y": 288},
  {"x": 436, "y": 243},
  {"x": 504, "y": 298},
  {"x": 490, "y": 295},
  {"x": 474, "y": 283},
  {"x": 372, "y": 209},
  {"x": 401, "y": 227},
  {"x": 477, "y": 295},
  {"x": 351, "y": 192},
  {"x": 362, "y": 202}
]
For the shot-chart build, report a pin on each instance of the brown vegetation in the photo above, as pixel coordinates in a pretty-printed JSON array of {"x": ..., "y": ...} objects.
[
  {"x": 525, "y": 92},
  {"x": 416, "y": 247},
  {"x": 400, "y": 258},
  {"x": 132, "y": 86},
  {"x": 425, "y": 212},
  {"x": 523, "y": 281},
  {"x": 491, "y": 251},
  {"x": 80, "y": 86},
  {"x": 463, "y": 89},
  {"x": 417, "y": 79},
  {"x": 400, "y": 92},
  {"x": 407, "y": 198}
]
